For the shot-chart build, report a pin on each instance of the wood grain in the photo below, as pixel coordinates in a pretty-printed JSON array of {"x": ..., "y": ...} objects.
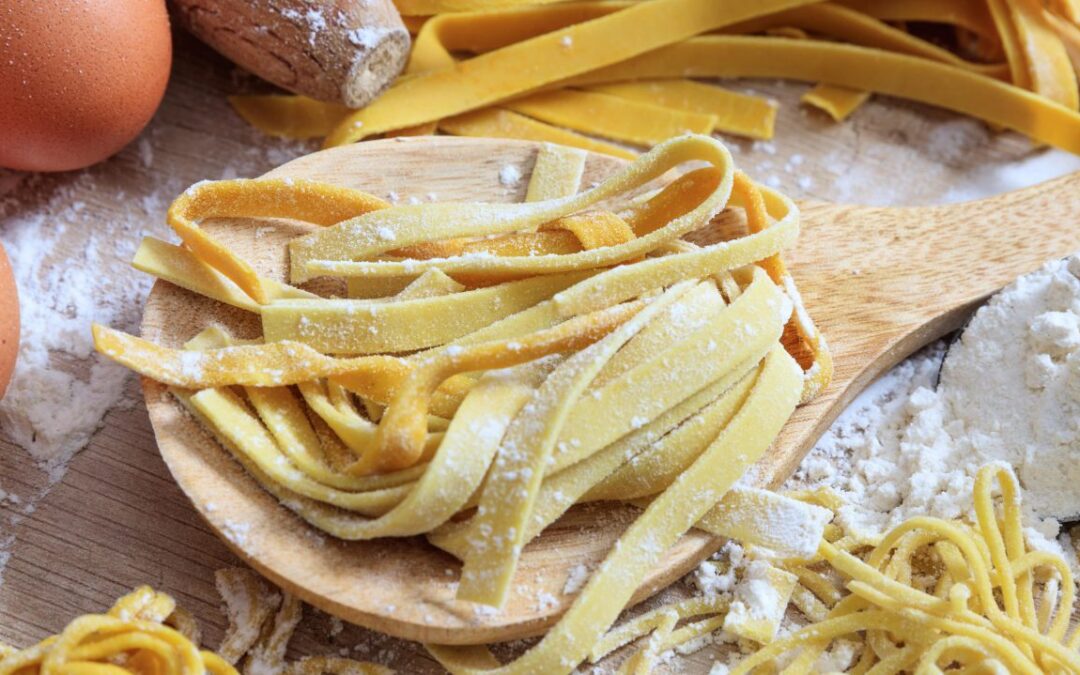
[
  {"x": 882, "y": 282},
  {"x": 116, "y": 518}
]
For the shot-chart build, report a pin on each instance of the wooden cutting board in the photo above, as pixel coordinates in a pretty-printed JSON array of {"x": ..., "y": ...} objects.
[{"x": 116, "y": 518}]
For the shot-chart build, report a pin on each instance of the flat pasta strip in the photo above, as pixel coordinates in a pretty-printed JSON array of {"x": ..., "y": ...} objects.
[
  {"x": 856, "y": 67},
  {"x": 838, "y": 102},
  {"x": 564, "y": 488},
  {"x": 313, "y": 202},
  {"x": 556, "y": 173},
  {"x": 735, "y": 113},
  {"x": 296, "y": 117},
  {"x": 502, "y": 123},
  {"x": 748, "y": 617},
  {"x": 226, "y": 412},
  {"x": 860, "y": 29},
  {"x": 365, "y": 327},
  {"x": 628, "y": 121},
  {"x": 746, "y": 328},
  {"x": 181, "y": 267}
]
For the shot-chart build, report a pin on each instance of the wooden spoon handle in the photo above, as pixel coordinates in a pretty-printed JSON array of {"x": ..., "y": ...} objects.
[
  {"x": 889, "y": 271},
  {"x": 882, "y": 282},
  {"x": 343, "y": 51}
]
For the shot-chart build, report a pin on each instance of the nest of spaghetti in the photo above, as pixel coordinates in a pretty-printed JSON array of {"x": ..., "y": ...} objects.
[{"x": 486, "y": 366}]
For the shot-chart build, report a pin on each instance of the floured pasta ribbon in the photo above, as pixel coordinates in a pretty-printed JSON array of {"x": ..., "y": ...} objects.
[
  {"x": 143, "y": 634},
  {"x": 479, "y": 431},
  {"x": 1030, "y": 46}
]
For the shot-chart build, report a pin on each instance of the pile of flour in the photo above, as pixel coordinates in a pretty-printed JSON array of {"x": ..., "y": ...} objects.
[{"x": 1009, "y": 390}]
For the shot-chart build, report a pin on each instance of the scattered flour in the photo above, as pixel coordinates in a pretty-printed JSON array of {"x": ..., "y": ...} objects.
[
  {"x": 509, "y": 175},
  {"x": 70, "y": 238},
  {"x": 1009, "y": 391}
]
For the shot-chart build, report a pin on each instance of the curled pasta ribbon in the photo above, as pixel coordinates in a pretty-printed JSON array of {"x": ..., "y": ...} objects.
[
  {"x": 130, "y": 638},
  {"x": 310, "y": 201},
  {"x": 333, "y": 250}
]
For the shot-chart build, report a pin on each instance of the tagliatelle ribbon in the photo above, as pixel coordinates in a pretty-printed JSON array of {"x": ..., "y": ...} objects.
[
  {"x": 856, "y": 67},
  {"x": 735, "y": 113},
  {"x": 312, "y": 202}
]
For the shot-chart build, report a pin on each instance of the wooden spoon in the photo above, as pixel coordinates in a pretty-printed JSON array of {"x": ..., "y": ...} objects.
[{"x": 880, "y": 282}]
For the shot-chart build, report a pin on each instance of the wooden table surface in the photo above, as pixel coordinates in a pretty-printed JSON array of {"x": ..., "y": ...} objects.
[{"x": 74, "y": 540}]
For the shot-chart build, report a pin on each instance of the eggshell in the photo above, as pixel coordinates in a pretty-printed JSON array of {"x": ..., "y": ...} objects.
[
  {"x": 78, "y": 78},
  {"x": 9, "y": 322}
]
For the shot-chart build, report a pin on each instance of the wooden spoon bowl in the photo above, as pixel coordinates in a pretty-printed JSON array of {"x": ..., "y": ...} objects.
[{"x": 880, "y": 282}]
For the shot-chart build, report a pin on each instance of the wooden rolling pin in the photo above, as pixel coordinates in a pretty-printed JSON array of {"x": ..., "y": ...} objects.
[{"x": 345, "y": 51}]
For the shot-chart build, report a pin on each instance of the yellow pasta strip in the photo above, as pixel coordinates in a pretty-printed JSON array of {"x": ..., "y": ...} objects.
[
  {"x": 740, "y": 516},
  {"x": 367, "y": 327},
  {"x": 430, "y": 284},
  {"x": 313, "y": 202},
  {"x": 860, "y": 29},
  {"x": 688, "y": 314},
  {"x": 530, "y": 64},
  {"x": 619, "y": 119},
  {"x": 296, "y": 117},
  {"x": 735, "y": 113},
  {"x": 226, "y": 412},
  {"x": 266, "y": 365},
  {"x": 1037, "y": 58},
  {"x": 511, "y": 489},
  {"x": 403, "y": 427},
  {"x": 641, "y": 662},
  {"x": 429, "y": 7},
  {"x": 1069, "y": 32},
  {"x": 663, "y": 522},
  {"x": 284, "y": 417},
  {"x": 969, "y": 14},
  {"x": 502, "y": 123},
  {"x": 838, "y": 102},
  {"x": 331, "y": 250},
  {"x": 740, "y": 331},
  {"x": 630, "y": 630},
  {"x": 374, "y": 288},
  {"x": 487, "y": 29},
  {"x": 357, "y": 433},
  {"x": 556, "y": 173},
  {"x": 856, "y": 67},
  {"x": 561, "y": 489},
  {"x": 179, "y": 266}
]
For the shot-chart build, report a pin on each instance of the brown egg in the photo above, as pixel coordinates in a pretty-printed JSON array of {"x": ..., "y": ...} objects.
[
  {"x": 9, "y": 322},
  {"x": 78, "y": 78}
]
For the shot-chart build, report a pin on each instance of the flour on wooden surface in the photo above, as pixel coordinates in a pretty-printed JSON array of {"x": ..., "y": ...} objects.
[
  {"x": 70, "y": 239},
  {"x": 1009, "y": 391}
]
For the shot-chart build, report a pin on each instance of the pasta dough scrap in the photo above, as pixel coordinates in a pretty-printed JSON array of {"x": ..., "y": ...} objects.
[
  {"x": 838, "y": 102},
  {"x": 735, "y": 113}
]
